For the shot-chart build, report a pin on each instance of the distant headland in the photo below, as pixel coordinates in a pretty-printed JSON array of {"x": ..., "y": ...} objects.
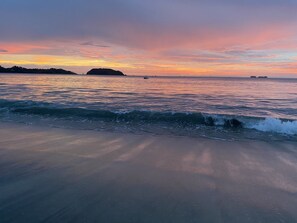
[
  {"x": 104, "y": 71},
  {"x": 22, "y": 70},
  {"x": 95, "y": 71}
]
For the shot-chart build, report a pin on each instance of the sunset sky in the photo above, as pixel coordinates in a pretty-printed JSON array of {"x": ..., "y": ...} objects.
[{"x": 156, "y": 37}]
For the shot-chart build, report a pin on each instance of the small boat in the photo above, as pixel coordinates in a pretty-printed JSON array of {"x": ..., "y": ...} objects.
[{"x": 145, "y": 77}]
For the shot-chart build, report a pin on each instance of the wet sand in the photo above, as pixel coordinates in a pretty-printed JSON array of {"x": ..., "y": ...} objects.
[{"x": 59, "y": 175}]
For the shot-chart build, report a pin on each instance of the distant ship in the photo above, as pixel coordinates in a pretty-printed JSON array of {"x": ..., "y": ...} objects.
[
  {"x": 261, "y": 77},
  {"x": 145, "y": 77}
]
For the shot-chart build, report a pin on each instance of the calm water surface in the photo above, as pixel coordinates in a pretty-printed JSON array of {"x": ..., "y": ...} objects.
[{"x": 268, "y": 105}]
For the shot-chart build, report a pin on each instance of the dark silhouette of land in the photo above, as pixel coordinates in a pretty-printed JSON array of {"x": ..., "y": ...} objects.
[
  {"x": 22, "y": 70},
  {"x": 104, "y": 71},
  {"x": 95, "y": 71}
]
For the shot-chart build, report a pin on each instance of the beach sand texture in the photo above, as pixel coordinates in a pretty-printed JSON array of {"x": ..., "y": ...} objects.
[{"x": 59, "y": 175}]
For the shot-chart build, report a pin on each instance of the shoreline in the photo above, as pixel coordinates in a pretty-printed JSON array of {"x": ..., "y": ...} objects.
[{"x": 66, "y": 175}]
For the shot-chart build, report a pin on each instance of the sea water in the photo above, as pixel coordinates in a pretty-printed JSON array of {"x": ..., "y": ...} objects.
[{"x": 172, "y": 105}]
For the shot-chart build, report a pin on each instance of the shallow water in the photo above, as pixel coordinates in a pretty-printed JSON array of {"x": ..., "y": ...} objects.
[{"x": 266, "y": 105}]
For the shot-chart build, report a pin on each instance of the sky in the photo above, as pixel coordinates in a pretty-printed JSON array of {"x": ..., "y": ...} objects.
[{"x": 156, "y": 37}]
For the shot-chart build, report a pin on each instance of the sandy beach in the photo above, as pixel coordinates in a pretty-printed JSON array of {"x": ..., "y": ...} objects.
[{"x": 60, "y": 175}]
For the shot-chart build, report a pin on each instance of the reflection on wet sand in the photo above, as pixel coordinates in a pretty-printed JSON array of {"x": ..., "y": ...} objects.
[{"x": 56, "y": 175}]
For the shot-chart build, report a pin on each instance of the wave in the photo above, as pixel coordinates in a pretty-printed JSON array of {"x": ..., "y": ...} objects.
[
  {"x": 288, "y": 127},
  {"x": 275, "y": 125}
]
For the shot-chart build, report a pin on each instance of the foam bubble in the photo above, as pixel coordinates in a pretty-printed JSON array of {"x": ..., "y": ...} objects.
[{"x": 276, "y": 125}]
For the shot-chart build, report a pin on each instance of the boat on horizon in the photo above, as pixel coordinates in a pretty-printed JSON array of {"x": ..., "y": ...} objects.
[{"x": 260, "y": 77}]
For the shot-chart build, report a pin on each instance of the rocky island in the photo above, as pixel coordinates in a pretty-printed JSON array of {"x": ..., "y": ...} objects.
[
  {"x": 22, "y": 70},
  {"x": 95, "y": 71},
  {"x": 105, "y": 72}
]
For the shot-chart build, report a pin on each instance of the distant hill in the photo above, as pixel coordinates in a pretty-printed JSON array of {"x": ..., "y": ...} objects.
[
  {"x": 105, "y": 71},
  {"x": 22, "y": 70}
]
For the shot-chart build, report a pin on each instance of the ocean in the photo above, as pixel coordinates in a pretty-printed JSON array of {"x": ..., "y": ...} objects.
[
  {"x": 214, "y": 107},
  {"x": 125, "y": 149}
]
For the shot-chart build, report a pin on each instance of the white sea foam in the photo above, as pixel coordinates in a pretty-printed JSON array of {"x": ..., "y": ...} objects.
[{"x": 275, "y": 125}]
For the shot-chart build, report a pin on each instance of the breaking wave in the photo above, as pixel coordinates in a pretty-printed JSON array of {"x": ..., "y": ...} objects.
[
  {"x": 288, "y": 127},
  {"x": 275, "y": 125}
]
